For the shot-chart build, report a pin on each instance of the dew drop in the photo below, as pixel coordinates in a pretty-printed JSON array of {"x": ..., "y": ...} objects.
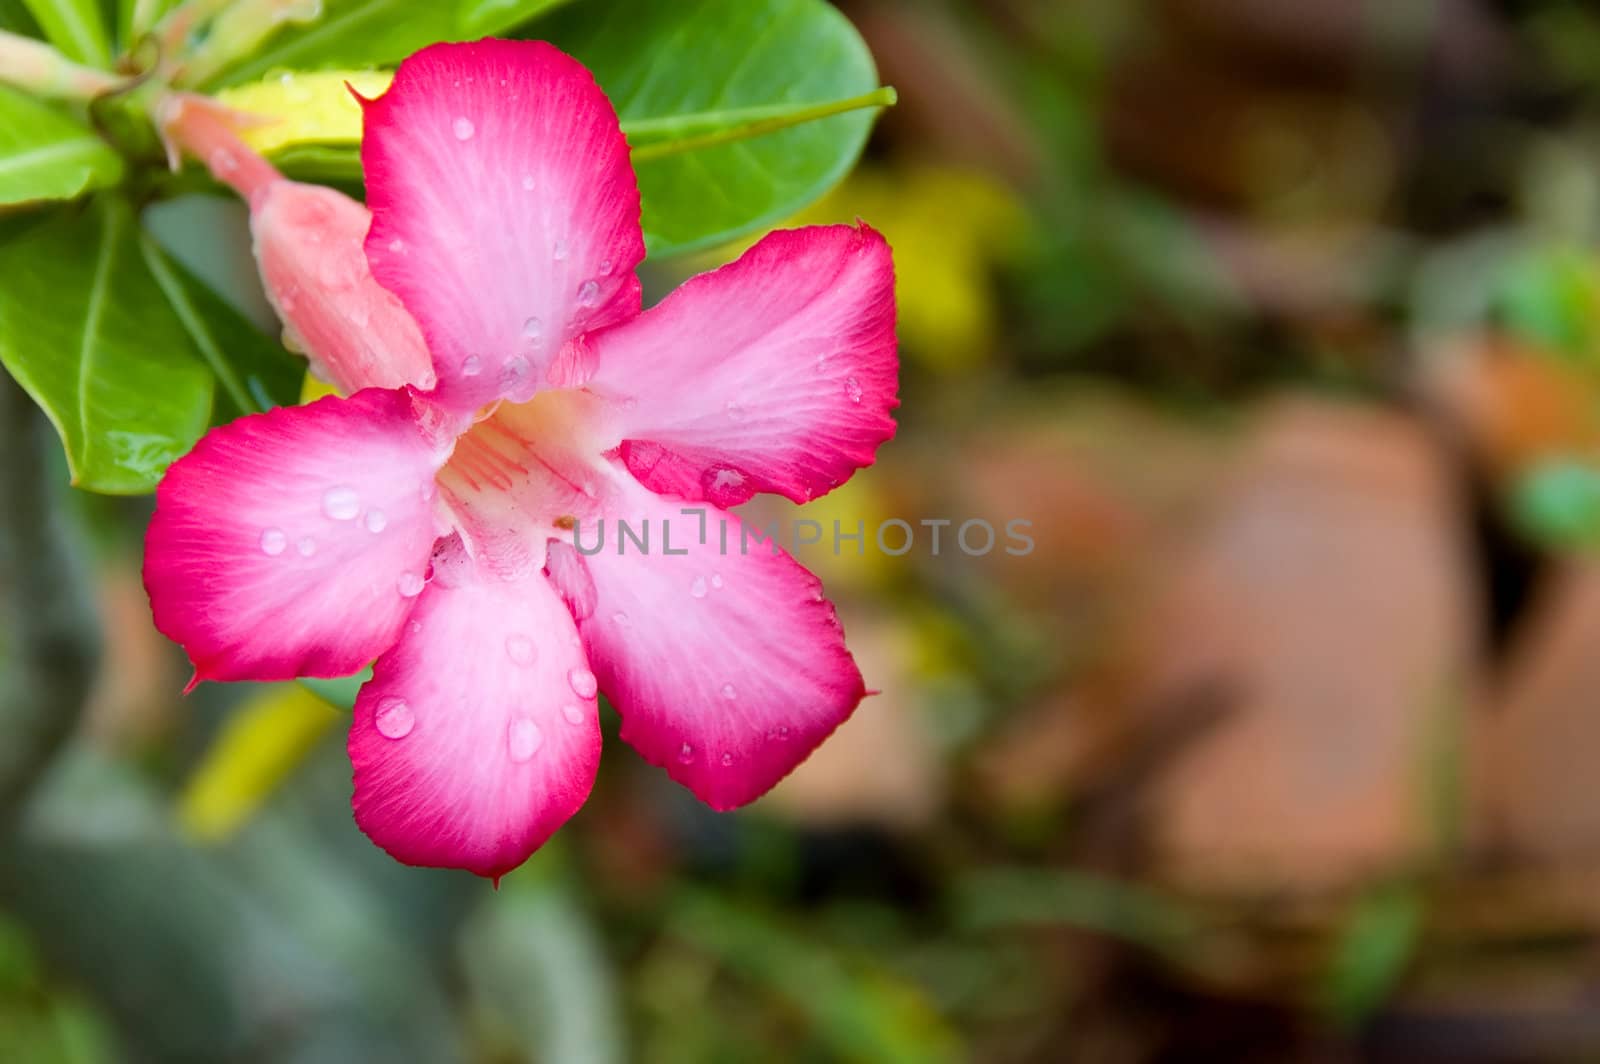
[
  {"x": 533, "y": 328},
  {"x": 728, "y": 692},
  {"x": 717, "y": 581},
  {"x": 620, "y": 620},
  {"x": 527, "y": 182},
  {"x": 307, "y": 547},
  {"x": 520, "y": 649},
  {"x": 572, "y": 713},
  {"x": 341, "y": 504},
  {"x": 727, "y": 759},
  {"x": 409, "y": 585},
  {"x": 377, "y": 521},
  {"x": 734, "y": 411},
  {"x": 397, "y": 245},
  {"x": 223, "y": 162},
  {"x": 686, "y": 753},
  {"x": 515, "y": 371},
  {"x": 698, "y": 588},
  {"x": 463, "y": 128},
  {"x": 589, "y": 293},
  {"x": 605, "y": 267},
  {"x": 560, "y": 250},
  {"x": 274, "y": 542},
  {"x": 523, "y": 739},
  {"x": 852, "y": 388},
  {"x": 583, "y": 682},
  {"x": 471, "y": 366},
  {"x": 394, "y": 718}
]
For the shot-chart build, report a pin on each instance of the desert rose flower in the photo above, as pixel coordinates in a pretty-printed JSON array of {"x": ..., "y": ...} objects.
[{"x": 427, "y": 520}]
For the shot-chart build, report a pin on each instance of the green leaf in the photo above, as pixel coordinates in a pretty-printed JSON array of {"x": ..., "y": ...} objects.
[
  {"x": 47, "y": 154},
  {"x": 75, "y": 28},
  {"x": 253, "y": 371},
  {"x": 662, "y": 62},
  {"x": 87, "y": 331},
  {"x": 1557, "y": 503},
  {"x": 340, "y": 693},
  {"x": 357, "y": 33},
  {"x": 1370, "y": 955}
]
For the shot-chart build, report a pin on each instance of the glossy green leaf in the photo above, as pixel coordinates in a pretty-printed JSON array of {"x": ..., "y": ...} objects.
[
  {"x": 681, "y": 69},
  {"x": 87, "y": 331},
  {"x": 358, "y": 33},
  {"x": 75, "y": 27},
  {"x": 253, "y": 372},
  {"x": 47, "y": 154}
]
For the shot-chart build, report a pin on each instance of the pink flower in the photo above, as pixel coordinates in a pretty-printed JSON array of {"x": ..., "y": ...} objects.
[{"x": 431, "y": 530}]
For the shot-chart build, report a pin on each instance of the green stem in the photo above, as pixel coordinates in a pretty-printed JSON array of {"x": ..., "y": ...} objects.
[
  {"x": 750, "y": 122},
  {"x": 38, "y": 68}
]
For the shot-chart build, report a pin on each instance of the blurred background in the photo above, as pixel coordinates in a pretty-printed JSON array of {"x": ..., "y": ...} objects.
[{"x": 1281, "y": 324}]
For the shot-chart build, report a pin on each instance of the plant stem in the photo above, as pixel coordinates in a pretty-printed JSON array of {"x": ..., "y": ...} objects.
[
  {"x": 41, "y": 70},
  {"x": 760, "y": 121}
]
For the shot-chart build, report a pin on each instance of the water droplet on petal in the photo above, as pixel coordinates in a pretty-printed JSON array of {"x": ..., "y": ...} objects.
[
  {"x": 523, "y": 739},
  {"x": 533, "y": 328},
  {"x": 307, "y": 547},
  {"x": 735, "y": 411},
  {"x": 728, "y": 692},
  {"x": 222, "y": 162},
  {"x": 589, "y": 293},
  {"x": 686, "y": 753},
  {"x": 620, "y": 620},
  {"x": 273, "y": 541},
  {"x": 394, "y": 718},
  {"x": 527, "y": 182},
  {"x": 515, "y": 371},
  {"x": 397, "y": 245},
  {"x": 377, "y": 521},
  {"x": 463, "y": 128},
  {"x": 605, "y": 267},
  {"x": 341, "y": 504},
  {"x": 573, "y": 714},
  {"x": 583, "y": 682},
  {"x": 409, "y": 585},
  {"x": 520, "y": 649},
  {"x": 852, "y": 388},
  {"x": 561, "y": 250},
  {"x": 698, "y": 588},
  {"x": 727, "y": 759},
  {"x": 471, "y": 366},
  {"x": 717, "y": 581}
]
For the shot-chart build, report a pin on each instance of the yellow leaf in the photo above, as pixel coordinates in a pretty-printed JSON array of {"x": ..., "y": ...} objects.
[
  {"x": 266, "y": 739},
  {"x": 305, "y": 108}
]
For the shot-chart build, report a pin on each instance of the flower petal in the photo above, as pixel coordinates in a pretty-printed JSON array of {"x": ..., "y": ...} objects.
[
  {"x": 774, "y": 373},
  {"x": 726, "y": 663},
  {"x": 478, "y": 734},
  {"x": 505, "y": 211},
  {"x": 286, "y": 543}
]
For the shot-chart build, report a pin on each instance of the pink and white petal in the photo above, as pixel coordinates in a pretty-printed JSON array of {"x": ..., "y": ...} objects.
[
  {"x": 478, "y": 734},
  {"x": 727, "y": 664},
  {"x": 293, "y": 543},
  {"x": 775, "y": 373},
  {"x": 309, "y": 244},
  {"x": 505, "y": 210}
]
